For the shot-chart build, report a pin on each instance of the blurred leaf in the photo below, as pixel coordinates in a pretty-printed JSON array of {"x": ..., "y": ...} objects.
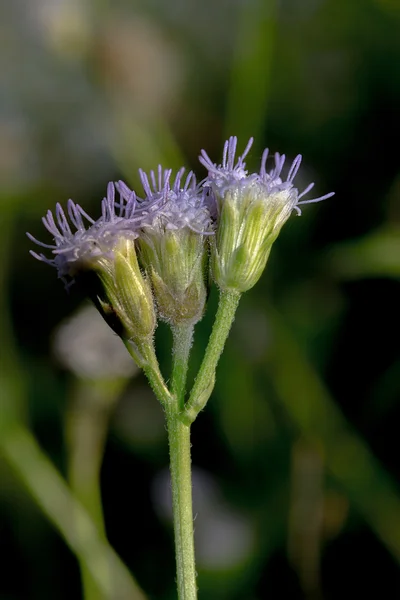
[
  {"x": 315, "y": 414},
  {"x": 52, "y": 495},
  {"x": 377, "y": 255},
  {"x": 251, "y": 69},
  {"x": 12, "y": 380}
]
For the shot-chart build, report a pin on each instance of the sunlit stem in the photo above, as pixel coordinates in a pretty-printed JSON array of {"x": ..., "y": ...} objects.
[
  {"x": 181, "y": 484},
  {"x": 205, "y": 379},
  {"x": 183, "y": 337},
  {"x": 180, "y": 466},
  {"x": 145, "y": 357}
]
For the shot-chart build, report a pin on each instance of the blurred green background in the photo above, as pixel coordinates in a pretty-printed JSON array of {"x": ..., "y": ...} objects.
[{"x": 296, "y": 458}]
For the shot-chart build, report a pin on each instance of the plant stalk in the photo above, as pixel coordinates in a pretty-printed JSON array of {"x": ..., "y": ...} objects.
[
  {"x": 180, "y": 466},
  {"x": 183, "y": 337},
  {"x": 181, "y": 484},
  {"x": 145, "y": 357},
  {"x": 204, "y": 384}
]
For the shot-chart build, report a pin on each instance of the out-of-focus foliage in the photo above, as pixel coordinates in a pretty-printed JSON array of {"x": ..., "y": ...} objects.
[{"x": 296, "y": 462}]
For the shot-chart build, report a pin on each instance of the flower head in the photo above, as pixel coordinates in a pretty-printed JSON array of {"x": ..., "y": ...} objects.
[
  {"x": 222, "y": 178},
  {"x": 173, "y": 220},
  {"x": 250, "y": 211},
  {"x": 228, "y": 173},
  {"x": 169, "y": 206},
  {"x": 102, "y": 257},
  {"x": 80, "y": 250}
]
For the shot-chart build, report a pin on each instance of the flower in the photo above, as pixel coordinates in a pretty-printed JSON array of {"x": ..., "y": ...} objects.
[
  {"x": 102, "y": 258},
  {"x": 250, "y": 211},
  {"x": 173, "y": 220},
  {"x": 88, "y": 245},
  {"x": 171, "y": 206}
]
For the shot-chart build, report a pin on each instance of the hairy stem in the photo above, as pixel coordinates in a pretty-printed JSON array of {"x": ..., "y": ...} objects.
[
  {"x": 145, "y": 357},
  {"x": 183, "y": 337},
  {"x": 205, "y": 379},
  {"x": 181, "y": 484}
]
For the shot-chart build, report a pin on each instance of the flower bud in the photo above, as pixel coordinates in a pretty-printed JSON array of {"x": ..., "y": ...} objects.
[
  {"x": 102, "y": 259},
  {"x": 173, "y": 223},
  {"x": 175, "y": 262},
  {"x": 250, "y": 212},
  {"x": 249, "y": 224},
  {"x": 132, "y": 293}
]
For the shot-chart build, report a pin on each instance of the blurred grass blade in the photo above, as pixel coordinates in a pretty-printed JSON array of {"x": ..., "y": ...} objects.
[
  {"x": 251, "y": 69},
  {"x": 312, "y": 409},
  {"x": 12, "y": 381},
  {"x": 377, "y": 255},
  {"x": 52, "y": 495},
  {"x": 90, "y": 406}
]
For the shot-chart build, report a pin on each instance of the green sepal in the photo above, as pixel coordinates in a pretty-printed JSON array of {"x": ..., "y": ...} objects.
[
  {"x": 250, "y": 221},
  {"x": 176, "y": 262},
  {"x": 133, "y": 293}
]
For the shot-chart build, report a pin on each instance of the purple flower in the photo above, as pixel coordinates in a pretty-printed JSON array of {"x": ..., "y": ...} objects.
[
  {"x": 79, "y": 241},
  {"x": 170, "y": 206},
  {"x": 232, "y": 175},
  {"x": 173, "y": 220},
  {"x": 249, "y": 210}
]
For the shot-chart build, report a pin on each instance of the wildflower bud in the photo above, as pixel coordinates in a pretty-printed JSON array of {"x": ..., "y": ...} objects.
[
  {"x": 122, "y": 293},
  {"x": 102, "y": 259},
  {"x": 250, "y": 212},
  {"x": 173, "y": 224},
  {"x": 133, "y": 297},
  {"x": 176, "y": 265},
  {"x": 248, "y": 227}
]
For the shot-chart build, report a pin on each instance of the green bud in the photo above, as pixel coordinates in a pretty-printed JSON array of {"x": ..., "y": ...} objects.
[
  {"x": 134, "y": 292},
  {"x": 176, "y": 263},
  {"x": 250, "y": 221},
  {"x": 124, "y": 295}
]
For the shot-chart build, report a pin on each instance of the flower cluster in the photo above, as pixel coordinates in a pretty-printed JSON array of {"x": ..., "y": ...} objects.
[{"x": 149, "y": 254}]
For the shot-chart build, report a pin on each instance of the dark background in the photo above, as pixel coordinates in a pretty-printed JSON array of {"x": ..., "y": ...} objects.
[{"x": 296, "y": 457}]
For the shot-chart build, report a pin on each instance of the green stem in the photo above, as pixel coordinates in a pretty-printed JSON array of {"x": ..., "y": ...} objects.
[
  {"x": 180, "y": 467},
  {"x": 183, "y": 337},
  {"x": 181, "y": 483},
  {"x": 145, "y": 357},
  {"x": 205, "y": 379}
]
